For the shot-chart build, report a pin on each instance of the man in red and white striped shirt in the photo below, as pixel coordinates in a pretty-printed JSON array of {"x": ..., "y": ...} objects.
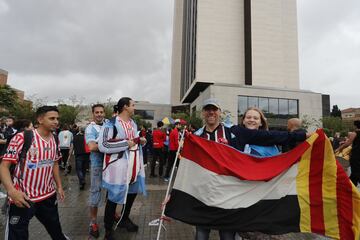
[{"x": 32, "y": 189}]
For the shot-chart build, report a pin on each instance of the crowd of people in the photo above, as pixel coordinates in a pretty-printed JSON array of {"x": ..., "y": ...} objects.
[{"x": 116, "y": 152}]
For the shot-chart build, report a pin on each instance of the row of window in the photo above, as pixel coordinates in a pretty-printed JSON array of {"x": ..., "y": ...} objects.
[
  {"x": 272, "y": 107},
  {"x": 145, "y": 114},
  {"x": 189, "y": 45}
]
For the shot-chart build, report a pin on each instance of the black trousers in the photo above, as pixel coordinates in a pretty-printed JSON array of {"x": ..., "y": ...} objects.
[
  {"x": 204, "y": 233},
  {"x": 64, "y": 155},
  {"x": 110, "y": 209},
  {"x": 170, "y": 163},
  {"x": 158, "y": 154},
  {"x": 81, "y": 166},
  {"x": 145, "y": 154},
  {"x": 45, "y": 211}
]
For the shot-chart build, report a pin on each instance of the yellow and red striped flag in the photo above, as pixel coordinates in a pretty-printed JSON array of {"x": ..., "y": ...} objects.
[{"x": 329, "y": 202}]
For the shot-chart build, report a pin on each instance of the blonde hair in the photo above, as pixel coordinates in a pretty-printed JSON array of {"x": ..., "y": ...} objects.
[{"x": 264, "y": 124}]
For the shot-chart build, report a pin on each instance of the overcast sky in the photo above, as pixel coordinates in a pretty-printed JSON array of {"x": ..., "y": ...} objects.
[{"x": 58, "y": 49}]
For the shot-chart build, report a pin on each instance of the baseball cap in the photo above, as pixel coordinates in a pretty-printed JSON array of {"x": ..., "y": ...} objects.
[{"x": 211, "y": 101}]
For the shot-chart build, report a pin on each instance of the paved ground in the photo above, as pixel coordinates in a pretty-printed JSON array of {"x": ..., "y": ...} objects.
[{"x": 74, "y": 217}]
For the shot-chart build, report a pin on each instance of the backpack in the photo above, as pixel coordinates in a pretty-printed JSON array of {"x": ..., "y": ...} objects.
[{"x": 28, "y": 137}]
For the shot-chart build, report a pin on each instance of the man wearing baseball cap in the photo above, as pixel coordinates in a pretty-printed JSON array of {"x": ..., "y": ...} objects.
[{"x": 214, "y": 130}]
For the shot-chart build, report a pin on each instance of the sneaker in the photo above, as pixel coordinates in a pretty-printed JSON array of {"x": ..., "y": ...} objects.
[
  {"x": 166, "y": 179},
  {"x": 94, "y": 230},
  {"x": 129, "y": 225}
]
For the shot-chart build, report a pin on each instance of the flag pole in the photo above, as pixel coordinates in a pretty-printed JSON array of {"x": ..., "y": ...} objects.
[{"x": 169, "y": 184}]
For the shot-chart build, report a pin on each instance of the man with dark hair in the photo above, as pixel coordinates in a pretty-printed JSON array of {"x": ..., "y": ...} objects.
[
  {"x": 32, "y": 189},
  {"x": 9, "y": 131},
  {"x": 96, "y": 160},
  {"x": 159, "y": 137},
  {"x": 81, "y": 156},
  {"x": 123, "y": 172},
  {"x": 173, "y": 147}
]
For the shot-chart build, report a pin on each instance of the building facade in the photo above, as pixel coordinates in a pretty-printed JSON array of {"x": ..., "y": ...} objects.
[
  {"x": 244, "y": 53},
  {"x": 350, "y": 114},
  {"x": 3, "y": 81},
  {"x": 152, "y": 112}
]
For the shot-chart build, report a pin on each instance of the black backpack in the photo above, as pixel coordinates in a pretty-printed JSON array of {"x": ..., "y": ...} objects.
[{"x": 28, "y": 137}]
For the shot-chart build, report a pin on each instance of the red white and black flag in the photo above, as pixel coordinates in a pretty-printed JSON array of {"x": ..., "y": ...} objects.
[{"x": 304, "y": 190}]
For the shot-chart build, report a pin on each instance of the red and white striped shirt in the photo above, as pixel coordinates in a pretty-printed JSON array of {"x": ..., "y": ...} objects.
[
  {"x": 36, "y": 179},
  {"x": 128, "y": 128}
]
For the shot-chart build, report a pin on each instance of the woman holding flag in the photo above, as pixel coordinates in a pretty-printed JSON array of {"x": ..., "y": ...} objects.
[{"x": 253, "y": 130}]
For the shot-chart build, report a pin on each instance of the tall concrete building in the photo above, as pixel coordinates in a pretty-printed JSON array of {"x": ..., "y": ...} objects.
[{"x": 243, "y": 52}]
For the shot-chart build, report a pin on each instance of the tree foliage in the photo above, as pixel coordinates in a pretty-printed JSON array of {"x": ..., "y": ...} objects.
[
  {"x": 333, "y": 125},
  {"x": 141, "y": 122},
  {"x": 23, "y": 110},
  {"x": 193, "y": 119},
  {"x": 335, "y": 112},
  {"x": 68, "y": 113},
  {"x": 8, "y": 98}
]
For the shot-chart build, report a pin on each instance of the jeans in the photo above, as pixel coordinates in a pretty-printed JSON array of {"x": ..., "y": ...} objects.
[
  {"x": 95, "y": 195},
  {"x": 81, "y": 165}
]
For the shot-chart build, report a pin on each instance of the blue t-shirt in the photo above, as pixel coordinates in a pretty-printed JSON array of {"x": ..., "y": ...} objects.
[{"x": 92, "y": 135}]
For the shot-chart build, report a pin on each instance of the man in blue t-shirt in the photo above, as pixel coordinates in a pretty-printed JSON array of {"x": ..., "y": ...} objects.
[{"x": 96, "y": 161}]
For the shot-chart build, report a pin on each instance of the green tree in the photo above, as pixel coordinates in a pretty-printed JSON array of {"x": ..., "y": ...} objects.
[
  {"x": 332, "y": 125},
  {"x": 23, "y": 110},
  {"x": 335, "y": 112},
  {"x": 194, "y": 119},
  {"x": 141, "y": 122},
  {"x": 11, "y": 105},
  {"x": 68, "y": 113},
  {"x": 8, "y": 98}
]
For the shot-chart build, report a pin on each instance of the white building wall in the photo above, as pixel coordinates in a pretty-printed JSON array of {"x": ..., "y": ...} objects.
[
  {"x": 220, "y": 41},
  {"x": 160, "y": 111},
  {"x": 274, "y": 43},
  {"x": 176, "y": 52}
]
